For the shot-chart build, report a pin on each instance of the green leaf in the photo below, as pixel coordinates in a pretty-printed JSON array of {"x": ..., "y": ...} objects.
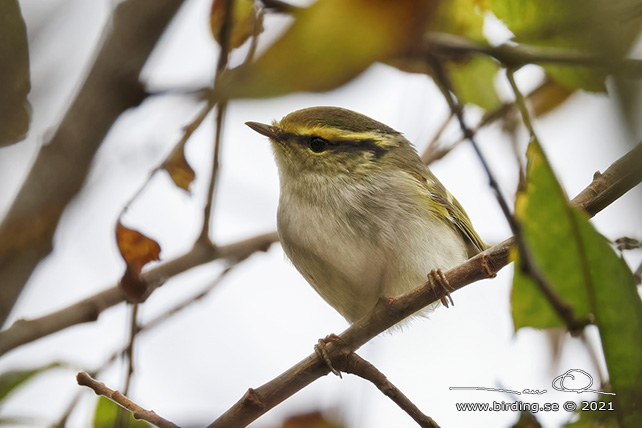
[
  {"x": 548, "y": 228},
  {"x": 618, "y": 313},
  {"x": 527, "y": 420},
  {"x": 473, "y": 82},
  {"x": 15, "y": 84},
  {"x": 107, "y": 413},
  {"x": 602, "y": 27},
  {"x": 586, "y": 273},
  {"x": 328, "y": 44},
  {"x": 12, "y": 379},
  {"x": 460, "y": 17},
  {"x": 472, "y": 78}
]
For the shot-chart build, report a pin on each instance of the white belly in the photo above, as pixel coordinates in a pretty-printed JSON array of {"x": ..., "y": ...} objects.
[{"x": 352, "y": 260}]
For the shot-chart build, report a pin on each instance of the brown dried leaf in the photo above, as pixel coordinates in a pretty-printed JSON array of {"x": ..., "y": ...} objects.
[
  {"x": 243, "y": 21},
  {"x": 137, "y": 250},
  {"x": 549, "y": 97},
  {"x": 179, "y": 170}
]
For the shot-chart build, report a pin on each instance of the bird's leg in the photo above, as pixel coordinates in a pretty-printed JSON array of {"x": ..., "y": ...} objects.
[
  {"x": 437, "y": 279},
  {"x": 321, "y": 350}
]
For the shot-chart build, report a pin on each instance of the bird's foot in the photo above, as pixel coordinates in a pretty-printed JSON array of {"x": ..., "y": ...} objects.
[
  {"x": 322, "y": 351},
  {"x": 438, "y": 280}
]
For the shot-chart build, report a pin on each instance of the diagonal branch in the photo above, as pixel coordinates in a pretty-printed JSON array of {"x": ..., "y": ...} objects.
[
  {"x": 538, "y": 98},
  {"x": 356, "y": 365},
  {"x": 61, "y": 166},
  {"x": 388, "y": 312},
  {"x": 88, "y": 310},
  {"x": 138, "y": 412},
  {"x": 150, "y": 325}
]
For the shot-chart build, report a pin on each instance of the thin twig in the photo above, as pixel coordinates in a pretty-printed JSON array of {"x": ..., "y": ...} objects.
[
  {"x": 207, "y": 211},
  {"x": 490, "y": 117},
  {"x": 88, "y": 310},
  {"x": 446, "y": 89},
  {"x": 155, "y": 322},
  {"x": 129, "y": 357},
  {"x": 388, "y": 312},
  {"x": 138, "y": 412},
  {"x": 356, "y": 365},
  {"x": 521, "y": 103},
  {"x": 187, "y": 302},
  {"x": 221, "y": 65},
  {"x": 256, "y": 31},
  {"x": 197, "y": 92},
  {"x": 431, "y": 152},
  {"x": 129, "y": 350},
  {"x": 563, "y": 309},
  {"x": 62, "y": 422},
  {"x": 187, "y": 133}
]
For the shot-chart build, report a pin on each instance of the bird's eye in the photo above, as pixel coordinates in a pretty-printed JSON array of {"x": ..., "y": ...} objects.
[{"x": 318, "y": 144}]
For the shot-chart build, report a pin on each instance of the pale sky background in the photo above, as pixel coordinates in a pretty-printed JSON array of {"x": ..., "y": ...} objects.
[{"x": 263, "y": 318}]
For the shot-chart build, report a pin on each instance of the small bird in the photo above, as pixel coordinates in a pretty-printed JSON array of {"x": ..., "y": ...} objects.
[{"x": 360, "y": 216}]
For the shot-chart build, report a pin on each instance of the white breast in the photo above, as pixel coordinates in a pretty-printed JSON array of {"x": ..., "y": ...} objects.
[{"x": 355, "y": 245}]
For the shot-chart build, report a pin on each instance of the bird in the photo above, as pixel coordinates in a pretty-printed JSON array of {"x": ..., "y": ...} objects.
[{"x": 360, "y": 215}]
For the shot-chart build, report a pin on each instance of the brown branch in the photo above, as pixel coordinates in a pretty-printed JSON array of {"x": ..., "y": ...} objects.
[
  {"x": 448, "y": 46},
  {"x": 354, "y": 364},
  {"x": 111, "y": 87},
  {"x": 211, "y": 190},
  {"x": 138, "y": 412},
  {"x": 388, "y": 312},
  {"x": 221, "y": 65},
  {"x": 88, "y": 310},
  {"x": 134, "y": 329},
  {"x": 277, "y": 6},
  {"x": 155, "y": 322},
  {"x": 613, "y": 183}
]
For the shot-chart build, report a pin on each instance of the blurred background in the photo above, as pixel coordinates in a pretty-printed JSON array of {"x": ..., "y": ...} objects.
[{"x": 263, "y": 317}]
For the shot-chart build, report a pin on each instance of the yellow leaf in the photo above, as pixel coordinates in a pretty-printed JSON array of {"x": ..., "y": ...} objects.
[
  {"x": 244, "y": 18},
  {"x": 328, "y": 44},
  {"x": 551, "y": 96}
]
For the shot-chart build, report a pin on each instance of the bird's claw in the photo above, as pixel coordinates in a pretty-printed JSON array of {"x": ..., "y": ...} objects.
[
  {"x": 437, "y": 280},
  {"x": 321, "y": 350}
]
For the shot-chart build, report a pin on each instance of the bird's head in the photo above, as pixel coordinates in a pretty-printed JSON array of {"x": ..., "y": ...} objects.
[{"x": 331, "y": 141}]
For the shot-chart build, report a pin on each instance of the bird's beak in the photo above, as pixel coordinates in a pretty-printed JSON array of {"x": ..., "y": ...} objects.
[{"x": 268, "y": 130}]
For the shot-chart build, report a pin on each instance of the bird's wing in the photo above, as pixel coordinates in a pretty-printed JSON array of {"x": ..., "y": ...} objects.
[{"x": 445, "y": 206}]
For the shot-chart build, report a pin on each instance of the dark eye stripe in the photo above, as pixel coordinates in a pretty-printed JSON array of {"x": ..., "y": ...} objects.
[
  {"x": 359, "y": 146},
  {"x": 342, "y": 145}
]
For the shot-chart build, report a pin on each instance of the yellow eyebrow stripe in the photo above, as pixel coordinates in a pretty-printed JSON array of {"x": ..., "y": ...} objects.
[{"x": 335, "y": 134}]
